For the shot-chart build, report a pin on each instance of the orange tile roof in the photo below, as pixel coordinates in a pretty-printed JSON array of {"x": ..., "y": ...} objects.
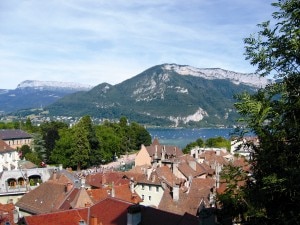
[
  {"x": 46, "y": 198},
  {"x": 5, "y": 147},
  {"x": 101, "y": 179},
  {"x": 68, "y": 217},
  {"x": 121, "y": 192},
  {"x": 189, "y": 201},
  {"x": 6, "y": 213},
  {"x": 157, "y": 148},
  {"x": 165, "y": 174},
  {"x": 111, "y": 212}
]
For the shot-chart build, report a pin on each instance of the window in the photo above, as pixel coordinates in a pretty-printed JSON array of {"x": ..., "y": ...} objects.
[
  {"x": 150, "y": 188},
  {"x": 157, "y": 189},
  {"x": 149, "y": 198},
  {"x": 143, "y": 187},
  {"x": 143, "y": 197}
]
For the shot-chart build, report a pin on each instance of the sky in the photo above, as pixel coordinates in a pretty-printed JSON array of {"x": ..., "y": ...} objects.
[{"x": 96, "y": 41}]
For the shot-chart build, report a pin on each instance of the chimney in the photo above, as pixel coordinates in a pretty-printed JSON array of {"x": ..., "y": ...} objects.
[
  {"x": 81, "y": 222},
  {"x": 192, "y": 164},
  {"x": 54, "y": 175},
  {"x": 82, "y": 182},
  {"x": 93, "y": 220},
  {"x": 113, "y": 190},
  {"x": 134, "y": 215},
  {"x": 175, "y": 193},
  {"x": 131, "y": 185},
  {"x": 197, "y": 153},
  {"x": 163, "y": 152},
  {"x": 69, "y": 187},
  {"x": 103, "y": 179},
  {"x": 153, "y": 178},
  {"x": 149, "y": 171}
]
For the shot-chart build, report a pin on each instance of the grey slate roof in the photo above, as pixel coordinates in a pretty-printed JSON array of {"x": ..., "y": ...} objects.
[{"x": 9, "y": 134}]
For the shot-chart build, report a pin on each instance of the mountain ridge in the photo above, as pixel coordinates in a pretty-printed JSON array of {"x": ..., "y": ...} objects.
[
  {"x": 162, "y": 95},
  {"x": 53, "y": 85},
  {"x": 34, "y": 94}
]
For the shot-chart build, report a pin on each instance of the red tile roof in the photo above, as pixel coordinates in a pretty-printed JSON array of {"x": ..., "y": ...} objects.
[
  {"x": 189, "y": 201},
  {"x": 170, "y": 150},
  {"x": 106, "y": 212},
  {"x": 47, "y": 197},
  {"x": 6, "y": 213},
  {"x": 122, "y": 192},
  {"x": 165, "y": 174},
  {"x": 111, "y": 212},
  {"x": 69, "y": 217},
  {"x": 5, "y": 147},
  {"x": 100, "y": 180}
]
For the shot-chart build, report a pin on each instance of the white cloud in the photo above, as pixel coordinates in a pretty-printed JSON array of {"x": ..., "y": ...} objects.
[{"x": 95, "y": 41}]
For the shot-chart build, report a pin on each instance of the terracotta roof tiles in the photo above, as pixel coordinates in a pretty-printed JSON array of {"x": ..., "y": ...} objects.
[{"x": 5, "y": 147}]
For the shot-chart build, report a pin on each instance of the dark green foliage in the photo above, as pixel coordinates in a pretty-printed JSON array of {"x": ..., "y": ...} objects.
[
  {"x": 24, "y": 150},
  {"x": 273, "y": 114},
  {"x": 86, "y": 144},
  {"x": 63, "y": 148},
  {"x": 137, "y": 100},
  {"x": 50, "y": 133},
  {"x": 199, "y": 142},
  {"x": 233, "y": 200},
  {"x": 81, "y": 147},
  {"x": 38, "y": 147},
  {"x": 218, "y": 142}
]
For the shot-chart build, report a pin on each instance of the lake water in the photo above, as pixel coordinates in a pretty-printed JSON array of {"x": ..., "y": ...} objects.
[{"x": 182, "y": 136}]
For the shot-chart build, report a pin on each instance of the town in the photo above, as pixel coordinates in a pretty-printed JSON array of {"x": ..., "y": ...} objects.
[{"x": 164, "y": 184}]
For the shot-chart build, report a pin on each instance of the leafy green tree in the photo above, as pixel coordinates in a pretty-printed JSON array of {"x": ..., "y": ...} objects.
[
  {"x": 233, "y": 202},
  {"x": 87, "y": 124},
  {"x": 38, "y": 146},
  {"x": 63, "y": 149},
  {"x": 110, "y": 142},
  {"x": 81, "y": 147},
  {"x": 50, "y": 133},
  {"x": 273, "y": 114},
  {"x": 33, "y": 157},
  {"x": 24, "y": 150},
  {"x": 187, "y": 149},
  {"x": 142, "y": 136},
  {"x": 218, "y": 142}
]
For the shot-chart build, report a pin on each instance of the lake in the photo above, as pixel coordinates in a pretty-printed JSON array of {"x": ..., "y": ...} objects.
[{"x": 182, "y": 136}]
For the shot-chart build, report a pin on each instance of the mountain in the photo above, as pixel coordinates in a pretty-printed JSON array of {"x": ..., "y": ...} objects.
[
  {"x": 165, "y": 95},
  {"x": 34, "y": 94}
]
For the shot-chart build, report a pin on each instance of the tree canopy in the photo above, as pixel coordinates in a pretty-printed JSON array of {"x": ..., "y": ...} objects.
[{"x": 273, "y": 114}]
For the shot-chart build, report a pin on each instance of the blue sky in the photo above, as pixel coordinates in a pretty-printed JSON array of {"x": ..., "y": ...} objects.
[{"x": 95, "y": 41}]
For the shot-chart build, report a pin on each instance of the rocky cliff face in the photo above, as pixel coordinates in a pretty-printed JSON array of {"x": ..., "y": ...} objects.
[{"x": 165, "y": 95}]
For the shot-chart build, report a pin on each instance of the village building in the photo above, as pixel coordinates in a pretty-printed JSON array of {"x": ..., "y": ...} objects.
[
  {"x": 157, "y": 154},
  {"x": 9, "y": 157},
  {"x": 112, "y": 211},
  {"x": 8, "y": 214},
  {"x": 15, "y": 138}
]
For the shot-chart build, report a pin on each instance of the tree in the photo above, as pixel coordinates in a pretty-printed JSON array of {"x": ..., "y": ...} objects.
[
  {"x": 24, "y": 150},
  {"x": 218, "y": 142},
  {"x": 38, "y": 147},
  {"x": 94, "y": 144},
  {"x": 187, "y": 149},
  {"x": 62, "y": 151},
  {"x": 50, "y": 133},
  {"x": 273, "y": 114},
  {"x": 234, "y": 205},
  {"x": 81, "y": 147}
]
